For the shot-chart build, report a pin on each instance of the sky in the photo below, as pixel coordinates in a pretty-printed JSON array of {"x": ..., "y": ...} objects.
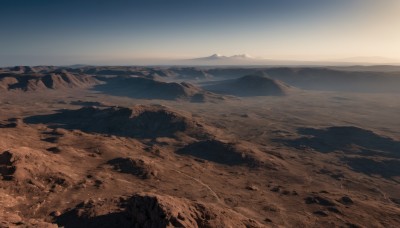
[{"x": 62, "y": 32}]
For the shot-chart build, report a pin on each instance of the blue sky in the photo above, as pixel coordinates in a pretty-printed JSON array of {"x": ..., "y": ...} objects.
[{"x": 128, "y": 32}]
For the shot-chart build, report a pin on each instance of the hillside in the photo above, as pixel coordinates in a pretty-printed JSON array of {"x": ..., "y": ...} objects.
[{"x": 250, "y": 85}]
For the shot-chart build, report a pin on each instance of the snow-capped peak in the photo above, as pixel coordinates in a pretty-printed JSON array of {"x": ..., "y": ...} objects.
[{"x": 242, "y": 56}]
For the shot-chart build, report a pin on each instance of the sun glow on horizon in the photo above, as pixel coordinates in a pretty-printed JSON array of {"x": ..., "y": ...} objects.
[{"x": 116, "y": 31}]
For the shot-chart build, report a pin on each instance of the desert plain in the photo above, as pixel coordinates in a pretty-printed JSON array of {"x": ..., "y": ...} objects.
[{"x": 93, "y": 146}]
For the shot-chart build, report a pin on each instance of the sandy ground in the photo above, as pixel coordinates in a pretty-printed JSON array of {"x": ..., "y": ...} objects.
[{"x": 63, "y": 175}]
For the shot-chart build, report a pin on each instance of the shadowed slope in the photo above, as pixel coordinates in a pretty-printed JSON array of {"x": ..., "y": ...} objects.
[
  {"x": 37, "y": 82},
  {"x": 364, "y": 151},
  {"x": 386, "y": 168},
  {"x": 347, "y": 139},
  {"x": 147, "y": 88},
  {"x": 149, "y": 210},
  {"x": 219, "y": 152},
  {"x": 250, "y": 85},
  {"x": 139, "y": 121}
]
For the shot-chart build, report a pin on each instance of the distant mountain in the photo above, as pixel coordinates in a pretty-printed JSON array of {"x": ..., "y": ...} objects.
[
  {"x": 212, "y": 57},
  {"x": 240, "y": 60},
  {"x": 217, "y": 59},
  {"x": 242, "y": 56},
  {"x": 247, "y": 60}
]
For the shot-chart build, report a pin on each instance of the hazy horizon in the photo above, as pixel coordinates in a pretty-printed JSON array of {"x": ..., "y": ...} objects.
[{"x": 125, "y": 32}]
